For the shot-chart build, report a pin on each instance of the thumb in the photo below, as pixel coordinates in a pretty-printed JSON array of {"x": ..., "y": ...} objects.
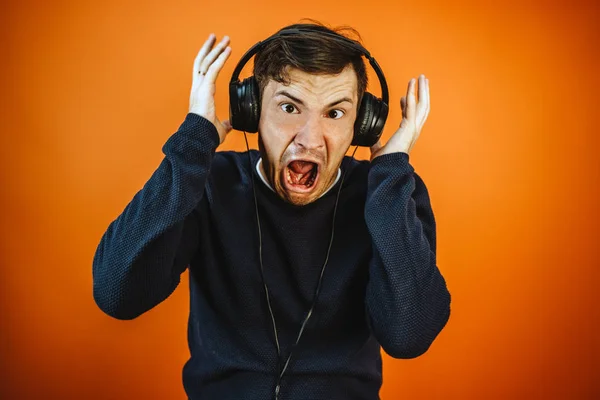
[
  {"x": 375, "y": 148},
  {"x": 227, "y": 126}
]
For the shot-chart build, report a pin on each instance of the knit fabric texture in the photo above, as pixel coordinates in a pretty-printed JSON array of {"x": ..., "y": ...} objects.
[{"x": 381, "y": 286}]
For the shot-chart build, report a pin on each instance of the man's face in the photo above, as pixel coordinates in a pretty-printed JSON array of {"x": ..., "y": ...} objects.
[{"x": 305, "y": 129}]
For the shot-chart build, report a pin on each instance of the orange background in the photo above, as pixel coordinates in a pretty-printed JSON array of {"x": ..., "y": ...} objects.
[{"x": 92, "y": 90}]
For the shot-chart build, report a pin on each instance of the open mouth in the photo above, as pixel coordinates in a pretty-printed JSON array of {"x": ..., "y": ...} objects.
[{"x": 301, "y": 175}]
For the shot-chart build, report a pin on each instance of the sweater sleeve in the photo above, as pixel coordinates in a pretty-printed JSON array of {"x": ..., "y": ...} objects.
[
  {"x": 143, "y": 252},
  {"x": 407, "y": 300}
]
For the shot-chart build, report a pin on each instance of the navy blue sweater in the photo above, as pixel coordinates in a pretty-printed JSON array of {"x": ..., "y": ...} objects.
[{"x": 381, "y": 286}]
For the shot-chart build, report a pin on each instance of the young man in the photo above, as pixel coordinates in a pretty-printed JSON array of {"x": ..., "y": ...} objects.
[{"x": 303, "y": 263}]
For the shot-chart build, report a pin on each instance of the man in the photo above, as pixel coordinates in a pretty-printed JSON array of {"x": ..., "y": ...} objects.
[{"x": 302, "y": 262}]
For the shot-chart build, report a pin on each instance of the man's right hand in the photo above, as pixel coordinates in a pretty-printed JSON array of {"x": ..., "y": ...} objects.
[{"x": 207, "y": 65}]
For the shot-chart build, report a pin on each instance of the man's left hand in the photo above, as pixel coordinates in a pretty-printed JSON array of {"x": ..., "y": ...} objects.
[{"x": 414, "y": 116}]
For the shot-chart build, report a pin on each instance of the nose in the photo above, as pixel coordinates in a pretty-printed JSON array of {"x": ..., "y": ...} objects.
[{"x": 311, "y": 134}]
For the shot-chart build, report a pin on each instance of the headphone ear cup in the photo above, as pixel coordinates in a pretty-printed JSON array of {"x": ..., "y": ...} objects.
[
  {"x": 235, "y": 113},
  {"x": 244, "y": 105},
  {"x": 369, "y": 121},
  {"x": 363, "y": 119},
  {"x": 251, "y": 104}
]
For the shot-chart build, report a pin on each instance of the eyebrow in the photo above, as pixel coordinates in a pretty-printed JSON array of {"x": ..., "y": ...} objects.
[{"x": 297, "y": 100}]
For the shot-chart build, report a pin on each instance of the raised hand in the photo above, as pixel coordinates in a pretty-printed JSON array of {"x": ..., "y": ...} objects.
[
  {"x": 414, "y": 116},
  {"x": 207, "y": 65}
]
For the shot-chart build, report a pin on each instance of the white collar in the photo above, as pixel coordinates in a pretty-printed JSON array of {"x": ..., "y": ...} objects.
[{"x": 262, "y": 178}]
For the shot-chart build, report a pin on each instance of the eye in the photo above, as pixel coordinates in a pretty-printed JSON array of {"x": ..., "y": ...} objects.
[
  {"x": 335, "y": 114},
  {"x": 289, "y": 108}
]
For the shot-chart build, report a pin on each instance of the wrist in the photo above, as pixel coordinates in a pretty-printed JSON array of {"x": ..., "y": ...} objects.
[{"x": 395, "y": 150}]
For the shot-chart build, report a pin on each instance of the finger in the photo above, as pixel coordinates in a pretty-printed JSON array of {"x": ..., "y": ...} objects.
[
  {"x": 411, "y": 100},
  {"x": 214, "y": 53},
  {"x": 403, "y": 106},
  {"x": 203, "y": 52},
  {"x": 422, "y": 88},
  {"x": 427, "y": 95},
  {"x": 423, "y": 105},
  {"x": 215, "y": 68}
]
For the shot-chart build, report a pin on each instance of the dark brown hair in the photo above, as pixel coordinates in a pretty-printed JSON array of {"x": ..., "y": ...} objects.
[{"x": 309, "y": 52}]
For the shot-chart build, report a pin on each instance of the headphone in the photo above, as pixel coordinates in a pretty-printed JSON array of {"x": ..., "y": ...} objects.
[{"x": 244, "y": 97}]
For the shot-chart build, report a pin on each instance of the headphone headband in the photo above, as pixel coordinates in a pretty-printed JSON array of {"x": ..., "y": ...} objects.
[{"x": 294, "y": 31}]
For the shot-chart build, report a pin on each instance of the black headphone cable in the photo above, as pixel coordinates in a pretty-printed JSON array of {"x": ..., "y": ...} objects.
[{"x": 318, "y": 289}]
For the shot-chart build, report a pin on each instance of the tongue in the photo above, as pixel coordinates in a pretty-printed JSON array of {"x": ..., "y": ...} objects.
[
  {"x": 301, "y": 167},
  {"x": 301, "y": 172}
]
